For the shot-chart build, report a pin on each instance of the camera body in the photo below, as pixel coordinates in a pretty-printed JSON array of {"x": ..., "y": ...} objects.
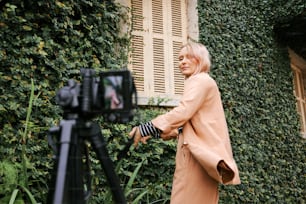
[{"x": 111, "y": 94}]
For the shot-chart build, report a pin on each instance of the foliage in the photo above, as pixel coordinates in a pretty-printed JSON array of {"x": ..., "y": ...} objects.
[
  {"x": 254, "y": 76},
  {"x": 15, "y": 176},
  {"x": 12, "y": 188},
  {"x": 49, "y": 41}
]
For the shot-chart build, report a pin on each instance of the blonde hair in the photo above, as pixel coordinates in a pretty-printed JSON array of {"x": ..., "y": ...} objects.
[{"x": 201, "y": 54}]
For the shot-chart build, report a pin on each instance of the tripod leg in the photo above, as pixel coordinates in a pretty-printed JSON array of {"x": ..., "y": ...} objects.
[
  {"x": 60, "y": 183},
  {"x": 66, "y": 132},
  {"x": 99, "y": 146},
  {"x": 74, "y": 177}
]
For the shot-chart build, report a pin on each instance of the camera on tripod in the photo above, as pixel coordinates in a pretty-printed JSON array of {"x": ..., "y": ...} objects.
[{"x": 111, "y": 94}]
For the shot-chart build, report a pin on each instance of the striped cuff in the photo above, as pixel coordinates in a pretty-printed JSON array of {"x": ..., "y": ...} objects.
[{"x": 149, "y": 129}]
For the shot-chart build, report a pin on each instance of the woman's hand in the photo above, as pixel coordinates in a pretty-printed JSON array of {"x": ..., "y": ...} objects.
[
  {"x": 135, "y": 133},
  {"x": 173, "y": 134}
]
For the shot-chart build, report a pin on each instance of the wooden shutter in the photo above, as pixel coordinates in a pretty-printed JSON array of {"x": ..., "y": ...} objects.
[
  {"x": 178, "y": 30},
  {"x": 137, "y": 57},
  {"x": 158, "y": 31}
]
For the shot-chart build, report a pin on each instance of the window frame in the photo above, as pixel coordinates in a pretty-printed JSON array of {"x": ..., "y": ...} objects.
[
  {"x": 298, "y": 66},
  {"x": 173, "y": 89}
]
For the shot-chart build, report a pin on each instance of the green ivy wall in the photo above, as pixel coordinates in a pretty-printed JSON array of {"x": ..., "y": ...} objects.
[
  {"x": 254, "y": 76},
  {"x": 46, "y": 41}
]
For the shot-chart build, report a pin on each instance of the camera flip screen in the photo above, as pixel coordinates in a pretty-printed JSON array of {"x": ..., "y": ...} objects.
[{"x": 118, "y": 94}]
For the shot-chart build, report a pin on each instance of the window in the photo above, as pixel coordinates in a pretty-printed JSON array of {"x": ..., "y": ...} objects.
[
  {"x": 298, "y": 66},
  {"x": 159, "y": 29}
]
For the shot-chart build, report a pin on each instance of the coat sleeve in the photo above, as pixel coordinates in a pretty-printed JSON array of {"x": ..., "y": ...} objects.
[
  {"x": 197, "y": 89},
  {"x": 217, "y": 160}
]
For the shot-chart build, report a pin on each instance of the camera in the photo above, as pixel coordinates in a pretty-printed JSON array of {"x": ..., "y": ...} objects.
[{"x": 111, "y": 94}]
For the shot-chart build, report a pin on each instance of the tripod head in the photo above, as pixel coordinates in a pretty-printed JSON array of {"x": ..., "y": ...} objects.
[{"x": 111, "y": 94}]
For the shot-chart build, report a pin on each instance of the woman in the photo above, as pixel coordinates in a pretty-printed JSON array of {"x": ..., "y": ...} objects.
[{"x": 204, "y": 156}]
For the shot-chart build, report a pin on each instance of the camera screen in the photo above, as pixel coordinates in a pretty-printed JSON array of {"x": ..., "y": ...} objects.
[
  {"x": 113, "y": 92},
  {"x": 118, "y": 95}
]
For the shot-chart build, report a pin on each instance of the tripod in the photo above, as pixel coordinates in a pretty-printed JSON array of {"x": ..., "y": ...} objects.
[{"x": 69, "y": 182}]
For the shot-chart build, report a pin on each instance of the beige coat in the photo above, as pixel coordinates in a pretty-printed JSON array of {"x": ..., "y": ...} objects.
[{"x": 204, "y": 155}]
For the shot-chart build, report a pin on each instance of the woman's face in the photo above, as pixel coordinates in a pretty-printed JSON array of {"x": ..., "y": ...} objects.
[{"x": 187, "y": 63}]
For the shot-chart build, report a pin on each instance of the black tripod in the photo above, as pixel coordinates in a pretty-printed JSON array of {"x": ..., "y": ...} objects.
[{"x": 69, "y": 182}]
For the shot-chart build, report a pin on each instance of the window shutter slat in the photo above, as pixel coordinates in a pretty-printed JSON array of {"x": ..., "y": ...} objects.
[
  {"x": 176, "y": 18},
  {"x": 138, "y": 62},
  {"x": 137, "y": 15},
  {"x": 178, "y": 77},
  {"x": 159, "y": 66},
  {"x": 157, "y": 16}
]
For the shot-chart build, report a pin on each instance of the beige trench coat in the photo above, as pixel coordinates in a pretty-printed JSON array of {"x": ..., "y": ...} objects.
[{"x": 204, "y": 155}]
